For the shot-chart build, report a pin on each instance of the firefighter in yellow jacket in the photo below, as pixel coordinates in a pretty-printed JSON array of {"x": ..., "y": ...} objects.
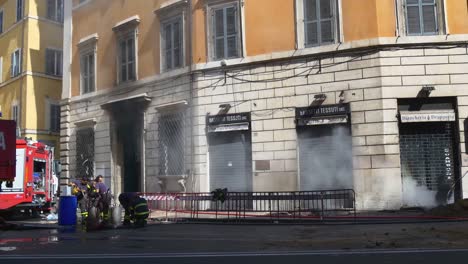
[
  {"x": 80, "y": 189},
  {"x": 136, "y": 209}
]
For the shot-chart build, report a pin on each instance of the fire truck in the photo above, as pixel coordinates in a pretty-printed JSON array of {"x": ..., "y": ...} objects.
[{"x": 27, "y": 179}]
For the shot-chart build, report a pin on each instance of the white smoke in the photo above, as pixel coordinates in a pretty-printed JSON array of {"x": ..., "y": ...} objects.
[
  {"x": 331, "y": 169},
  {"x": 417, "y": 195}
]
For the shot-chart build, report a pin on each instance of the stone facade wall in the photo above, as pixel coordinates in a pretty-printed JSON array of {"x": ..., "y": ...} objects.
[
  {"x": 370, "y": 82},
  {"x": 88, "y": 111}
]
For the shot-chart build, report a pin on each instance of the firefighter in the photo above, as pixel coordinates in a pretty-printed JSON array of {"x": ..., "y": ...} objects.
[
  {"x": 105, "y": 197},
  {"x": 80, "y": 189},
  {"x": 136, "y": 209}
]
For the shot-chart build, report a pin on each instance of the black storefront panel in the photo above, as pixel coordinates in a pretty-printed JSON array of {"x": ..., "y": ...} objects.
[
  {"x": 325, "y": 147},
  {"x": 428, "y": 161},
  {"x": 230, "y": 152}
]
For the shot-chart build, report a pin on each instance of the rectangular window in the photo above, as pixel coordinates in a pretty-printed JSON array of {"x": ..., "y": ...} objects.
[
  {"x": 55, "y": 10},
  {"x": 1, "y": 21},
  {"x": 16, "y": 63},
  {"x": 171, "y": 144},
  {"x": 319, "y": 22},
  {"x": 1, "y": 69},
  {"x": 172, "y": 44},
  {"x": 54, "y": 117},
  {"x": 19, "y": 10},
  {"x": 15, "y": 113},
  {"x": 87, "y": 72},
  {"x": 54, "y": 62},
  {"x": 127, "y": 59},
  {"x": 85, "y": 152},
  {"x": 421, "y": 17},
  {"x": 226, "y": 32}
]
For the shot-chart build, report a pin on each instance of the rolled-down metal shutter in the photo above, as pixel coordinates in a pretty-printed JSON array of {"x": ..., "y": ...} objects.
[
  {"x": 428, "y": 156},
  {"x": 325, "y": 157},
  {"x": 231, "y": 161}
]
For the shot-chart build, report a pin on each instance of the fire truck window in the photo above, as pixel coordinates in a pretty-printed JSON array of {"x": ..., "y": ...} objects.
[{"x": 39, "y": 175}]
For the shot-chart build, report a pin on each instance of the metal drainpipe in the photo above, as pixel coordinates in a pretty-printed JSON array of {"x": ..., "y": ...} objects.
[
  {"x": 23, "y": 54},
  {"x": 191, "y": 87}
]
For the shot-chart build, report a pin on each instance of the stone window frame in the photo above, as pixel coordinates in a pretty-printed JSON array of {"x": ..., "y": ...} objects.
[
  {"x": 215, "y": 4},
  {"x": 125, "y": 30},
  {"x": 300, "y": 25},
  {"x": 169, "y": 12},
  {"x": 88, "y": 46},
  {"x": 401, "y": 21}
]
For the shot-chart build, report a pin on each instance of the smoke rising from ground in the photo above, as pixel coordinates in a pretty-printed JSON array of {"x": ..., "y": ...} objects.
[
  {"x": 329, "y": 159},
  {"x": 415, "y": 194}
]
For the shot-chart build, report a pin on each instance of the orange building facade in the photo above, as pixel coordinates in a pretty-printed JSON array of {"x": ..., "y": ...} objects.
[{"x": 269, "y": 95}]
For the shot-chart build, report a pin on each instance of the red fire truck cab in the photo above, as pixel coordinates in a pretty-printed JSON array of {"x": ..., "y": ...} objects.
[{"x": 35, "y": 183}]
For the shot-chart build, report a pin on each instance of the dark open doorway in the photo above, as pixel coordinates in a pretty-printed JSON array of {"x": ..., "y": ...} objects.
[{"x": 127, "y": 146}]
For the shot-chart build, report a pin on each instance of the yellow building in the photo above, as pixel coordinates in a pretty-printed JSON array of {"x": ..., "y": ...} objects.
[{"x": 31, "y": 66}]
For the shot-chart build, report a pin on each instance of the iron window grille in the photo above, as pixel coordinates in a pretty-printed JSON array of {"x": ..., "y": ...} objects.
[
  {"x": 85, "y": 152},
  {"x": 172, "y": 144}
]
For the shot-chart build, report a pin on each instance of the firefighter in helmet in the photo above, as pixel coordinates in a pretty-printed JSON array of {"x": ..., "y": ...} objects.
[
  {"x": 105, "y": 197},
  {"x": 136, "y": 209},
  {"x": 80, "y": 189}
]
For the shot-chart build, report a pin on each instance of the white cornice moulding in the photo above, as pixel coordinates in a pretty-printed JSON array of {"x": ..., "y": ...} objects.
[
  {"x": 129, "y": 22},
  {"x": 86, "y": 122},
  {"x": 91, "y": 39},
  {"x": 171, "y": 4}
]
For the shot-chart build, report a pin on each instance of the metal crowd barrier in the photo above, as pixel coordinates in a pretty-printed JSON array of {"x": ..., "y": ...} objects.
[{"x": 303, "y": 205}]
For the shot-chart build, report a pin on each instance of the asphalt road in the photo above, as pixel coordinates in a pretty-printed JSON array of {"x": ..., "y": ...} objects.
[
  {"x": 189, "y": 243},
  {"x": 413, "y": 256}
]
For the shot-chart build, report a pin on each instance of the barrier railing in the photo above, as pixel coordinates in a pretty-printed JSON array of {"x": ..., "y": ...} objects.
[{"x": 238, "y": 206}]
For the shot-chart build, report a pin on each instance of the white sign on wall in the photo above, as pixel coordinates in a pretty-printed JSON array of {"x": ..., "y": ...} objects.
[{"x": 427, "y": 116}]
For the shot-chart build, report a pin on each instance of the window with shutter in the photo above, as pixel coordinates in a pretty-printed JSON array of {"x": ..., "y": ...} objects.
[
  {"x": 172, "y": 43},
  {"x": 1, "y": 21},
  {"x": 55, "y": 10},
  {"x": 15, "y": 63},
  {"x": 15, "y": 113},
  {"x": 55, "y": 118},
  {"x": 422, "y": 17},
  {"x": 226, "y": 32},
  {"x": 19, "y": 10},
  {"x": 87, "y": 72},
  {"x": 53, "y": 62},
  {"x": 320, "y": 22},
  {"x": 1, "y": 69},
  {"x": 127, "y": 58}
]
